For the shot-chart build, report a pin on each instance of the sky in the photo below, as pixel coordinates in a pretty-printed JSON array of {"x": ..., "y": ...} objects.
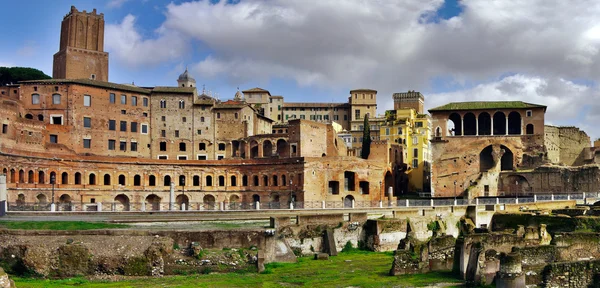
[{"x": 538, "y": 51}]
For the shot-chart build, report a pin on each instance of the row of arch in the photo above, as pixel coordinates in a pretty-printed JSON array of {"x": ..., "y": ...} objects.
[
  {"x": 220, "y": 180},
  {"x": 486, "y": 124},
  {"x": 40, "y": 117},
  {"x": 266, "y": 148}
]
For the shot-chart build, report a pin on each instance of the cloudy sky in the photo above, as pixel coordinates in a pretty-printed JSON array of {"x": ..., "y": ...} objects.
[{"x": 539, "y": 51}]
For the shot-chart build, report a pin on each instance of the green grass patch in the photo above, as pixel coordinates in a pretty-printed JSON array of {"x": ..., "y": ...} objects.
[
  {"x": 354, "y": 268},
  {"x": 59, "y": 225}
]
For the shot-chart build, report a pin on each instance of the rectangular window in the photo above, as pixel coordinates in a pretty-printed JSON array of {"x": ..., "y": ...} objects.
[
  {"x": 123, "y": 126},
  {"x": 387, "y": 131},
  {"x": 180, "y": 157},
  {"x": 123, "y": 145},
  {"x": 112, "y": 98},
  {"x": 336, "y": 118},
  {"x": 145, "y": 114},
  {"x": 35, "y": 99},
  {"x": 163, "y": 118},
  {"x": 176, "y": 133},
  {"x": 56, "y": 119},
  {"x": 163, "y": 146},
  {"x": 144, "y": 128},
  {"x": 145, "y": 102},
  {"x": 53, "y": 138},
  {"x": 87, "y": 143},
  {"x": 399, "y": 130},
  {"x": 4, "y": 128},
  {"x": 163, "y": 157},
  {"x": 302, "y": 117},
  {"x": 419, "y": 124},
  {"x": 111, "y": 144},
  {"x": 56, "y": 99},
  {"x": 199, "y": 132},
  {"x": 201, "y": 157},
  {"x": 528, "y": 113},
  {"x": 123, "y": 112},
  {"x": 112, "y": 125},
  {"x": 345, "y": 117},
  {"x": 87, "y": 100},
  {"x": 415, "y": 140},
  {"x": 415, "y": 163},
  {"x": 416, "y": 153},
  {"x": 133, "y": 100},
  {"x": 183, "y": 119},
  {"x": 87, "y": 122},
  {"x": 123, "y": 99},
  {"x": 163, "y": 133},
  {"x": 356, "y": 114},
  {"x": 134, "y": 127},
  {"x": 134, "y": 146}
]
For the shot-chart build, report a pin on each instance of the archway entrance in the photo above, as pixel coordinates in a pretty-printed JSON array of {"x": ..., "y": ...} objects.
[
  {"x": 153, "y": 202},
  {"x": 209, "y": 202},
  {"x": 348, "y": 201},
  {"x": 388, "y": 182},
  {"x": 516, "y": 186},
  {"x": 182, "y": 199},
  {"x": 121, "y": 203},
  {"x": 64, "y": 202}
]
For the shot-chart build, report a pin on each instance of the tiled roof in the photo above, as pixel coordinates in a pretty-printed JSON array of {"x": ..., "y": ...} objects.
[
  {"x": 88, "y": 82},
  {"x": 363, "y": 90},
  {"x": 486, "y": 105},
  {"x": 255, "y": 89},
  {"x": 163, "y": 89},
  {"x": 304, "y": 104}
]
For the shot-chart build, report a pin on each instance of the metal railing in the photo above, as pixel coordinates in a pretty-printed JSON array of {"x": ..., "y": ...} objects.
[{"x": 243, "y": 206}]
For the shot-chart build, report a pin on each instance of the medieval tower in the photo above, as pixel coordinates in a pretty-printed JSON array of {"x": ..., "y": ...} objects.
[
  {"x": 81, "y": 54},
  {"x": 410, "y": 99}
]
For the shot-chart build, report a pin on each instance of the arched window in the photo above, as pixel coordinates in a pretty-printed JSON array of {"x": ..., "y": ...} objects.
[
  {"x": 30, "y": 177},
  {"x": 265, "y": 180},
  {"x": 41, "y": 177},
  {"x": 202, "y": 146},
  {"x": 196, "y": 180},
  {"x": 221, "y": 180},
  {"x": 12, "y": 176},
  {"x": 529, "y": 129},
  {"x": 163, "y": 103},
  {"x": 122, "y": 179},
  {"x": 256, "y": 180},
  {"x": 167, "y": 180},
  {"x": 283, "y": 182},
  {"x": 208, "y": 180},
  {"x": 106, "y": 179},
  {"x": 218, "y": 115},
  {"x": 514, "y": 123},
  {"x": 499, "y": 123},
  {"x": 28, "y": 116},
  {"x": 244, "y": 180},
  {"x": 470, "y": 124},
  {"x": 484, "y": 124},
  {"x": 202, "y": 119},
  {"x": 233, "y": 181},
  {"x": 181, "y": 180},
  {"x": 137, "y": 180},
  {"x": 64, "y": 178},
  {"x": 21, "y": 176},
  {"x": 275, "y": 180},
  {"x": 40, "y": 117},
  {"x": 221, "y": 146},
  {"x": 455, "y": 125},
  {"x": 181, "y": 104},
  {"x": 77, "y": 178},
  {"x": 182, "y": 146},
  {"x": 151, "y": 180},
  {"x": 92, "y": 179}
]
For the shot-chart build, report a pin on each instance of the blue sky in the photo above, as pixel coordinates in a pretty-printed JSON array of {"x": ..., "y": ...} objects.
[{"x": 318, "y": 50}]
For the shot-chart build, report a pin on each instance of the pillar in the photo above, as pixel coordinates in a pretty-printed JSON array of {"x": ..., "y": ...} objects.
[
  {"x": 522, "y": 127},
  {"x": 261, "y": 153},
  {"x": 506, "y": 130},
  {"x": 172, "y": 196},
  {"x": 3, "y": 193},
  {"x": 462, "y": 126},
  {"x": 492, "y": 123},
  {"x": 477, "y": 126}
]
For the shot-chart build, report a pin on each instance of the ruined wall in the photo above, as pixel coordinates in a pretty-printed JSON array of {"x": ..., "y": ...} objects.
[
  {"x": 566, "y": 145},
  {"x": 551, "y": 179}
]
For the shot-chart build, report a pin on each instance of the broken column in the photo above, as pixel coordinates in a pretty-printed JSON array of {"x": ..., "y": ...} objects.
[{"x": 511, "y": 274}]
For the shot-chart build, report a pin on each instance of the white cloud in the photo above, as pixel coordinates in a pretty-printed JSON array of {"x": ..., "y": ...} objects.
[
  {"x": 125, "y": 43},
  {"x": 115, "y": 3}
]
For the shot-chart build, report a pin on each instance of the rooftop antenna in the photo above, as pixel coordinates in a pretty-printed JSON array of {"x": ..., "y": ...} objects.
[{"x": 203, "y": 89}]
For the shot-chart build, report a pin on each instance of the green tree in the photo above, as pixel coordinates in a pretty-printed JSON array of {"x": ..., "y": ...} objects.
[
  {"x": 366, "y": 143},
  {"x": 15, "y": 74}
]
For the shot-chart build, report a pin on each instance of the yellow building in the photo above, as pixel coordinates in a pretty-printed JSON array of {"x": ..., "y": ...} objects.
[{"x": 408, "y": 126}]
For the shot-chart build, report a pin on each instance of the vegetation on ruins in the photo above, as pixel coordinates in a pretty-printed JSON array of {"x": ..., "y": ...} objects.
[
  {"x": 13, "y": 75},
  {"x": 366, "y": 143},
  {"x": 59, "y": 225}
]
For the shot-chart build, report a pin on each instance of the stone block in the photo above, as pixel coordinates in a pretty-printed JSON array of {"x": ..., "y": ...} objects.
[
  {"x": 321, "y": 256},
  {"x": 329, "y": 243},
  {"x": 5, "y": 282}
]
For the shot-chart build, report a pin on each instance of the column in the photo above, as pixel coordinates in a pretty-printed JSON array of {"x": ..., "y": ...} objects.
[
  {"x": 477, "y": 126},
  {"x": 172, "y": 195},
  {"x": 522, "y": 127},
  {"x": 506, "y": 130},
  {"x": 462, "y": 126},
  {"x": 3, "y": 192},
  {"x": 260, "y": 150},
  {"x": 492, "y": 125}
]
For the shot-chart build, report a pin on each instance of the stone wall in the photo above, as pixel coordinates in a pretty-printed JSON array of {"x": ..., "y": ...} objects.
[
  {"x": 566, "y": 145},
  {"x": 549, "y": 179}
]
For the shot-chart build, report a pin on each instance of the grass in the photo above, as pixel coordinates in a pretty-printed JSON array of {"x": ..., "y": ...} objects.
[
  {"x": 58, "y": 225},
  {"x": 353, "y": 268}
]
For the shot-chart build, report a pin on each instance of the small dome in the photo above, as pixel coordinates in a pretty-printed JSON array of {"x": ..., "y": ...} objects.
[
  {"x": 238, "y": 96},
  {"x": 186, "y": 77}
]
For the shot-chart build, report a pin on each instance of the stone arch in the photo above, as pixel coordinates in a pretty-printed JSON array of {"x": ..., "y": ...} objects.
[
  {"x": 28, "y": 116},
  {"x": 40, "y": 117},
  {"x": 52, "y": 177},
  {"x": 388, "y": 181},
  {"x": 233, "y": 180},
  {"x": 21, "y": 176},
  {"x": 255, "y": 198},
  {"x": 506, "y": 162},
  {"x": 438, "y": 132},
  {"x": 484, "y": 121},
  {"x": 234, "y": 198},
  {"x": 30, "y": 177},
  {"x": 529, "y": 129},
  {"x": 454, "y": 125},
  {"x": 516, "y": 185},
  {"x": 21, "y": 199},
  {"x": 122, "y": 202},
  {"x": 470, "y": 124},
  {"x": 283, "y": 148},
  {"x": 235, "y": 148},
  {"x": 244, "y": 180},
  {"x": 153, "y": 202},
  {"x": 514, "y": 123},
  {"x": 12, "y": 176},
  {"x": 196, "y": 180},
  {"x": 221, "y": 180},
  {"x": 499, "y": 123},
  {"x": 486, "y": 159},
  {"x": 209, "y": 202},
  {"x": 122, "y": 180},
  {"x": 64, "y": 199},
  {"x": 283, "y": 180},
  {"x": 348, "y": 201},
  {"x": 137, "y": 180},
  {"x": 77, "y": 178},
  {"x": 167, "y": 180},
  {"x": 106, "y": 179},
  {"x": 92, "y": 179},
  {"x": 265, "y": 180},
  {"x": 208, "y": 180},
  {"x": 182, "y": 199},
  {"x": 253, "y": 149},
  {"x": 64, "y": 178},
  {"x": 275, "y": 180},
  {"x": 42, "y": 198},
  {"x": 256, "y": 182},
  {"x": 267, "y": 148},
  {"x": 242, "y": 149}
]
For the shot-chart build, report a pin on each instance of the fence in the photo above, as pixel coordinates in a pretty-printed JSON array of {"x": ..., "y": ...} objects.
[
  {"x": 2, "y": 208},
  {"x": 244, "y": 206}
]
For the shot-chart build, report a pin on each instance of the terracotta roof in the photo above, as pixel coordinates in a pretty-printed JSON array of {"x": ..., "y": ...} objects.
[
  {"x": 486, "y": 105},
  {"x": 93, "y": 83},
  {"x": 363, "y": 90},
  {"x": 235, "y": 105},
  {"x": 163, "y": 89},
  {"x": 303, "y": 104},
  {"x": 256, "y": 90}
]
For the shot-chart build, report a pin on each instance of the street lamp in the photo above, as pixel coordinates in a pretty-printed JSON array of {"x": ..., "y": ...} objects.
[
  {"x": 291, "y": 191},
  {"x": 380, "y": 188},
  {"x": 53, "y": 181},
  {"x": 517, "y": 189},
  {"x": 454, "y": 192},
  {"x": 182, "y": 184}
]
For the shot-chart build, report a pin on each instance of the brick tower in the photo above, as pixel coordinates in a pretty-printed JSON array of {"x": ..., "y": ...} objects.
[
  {"x": 81, "y": 54},
  {"x": 410, "y": 99}
]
